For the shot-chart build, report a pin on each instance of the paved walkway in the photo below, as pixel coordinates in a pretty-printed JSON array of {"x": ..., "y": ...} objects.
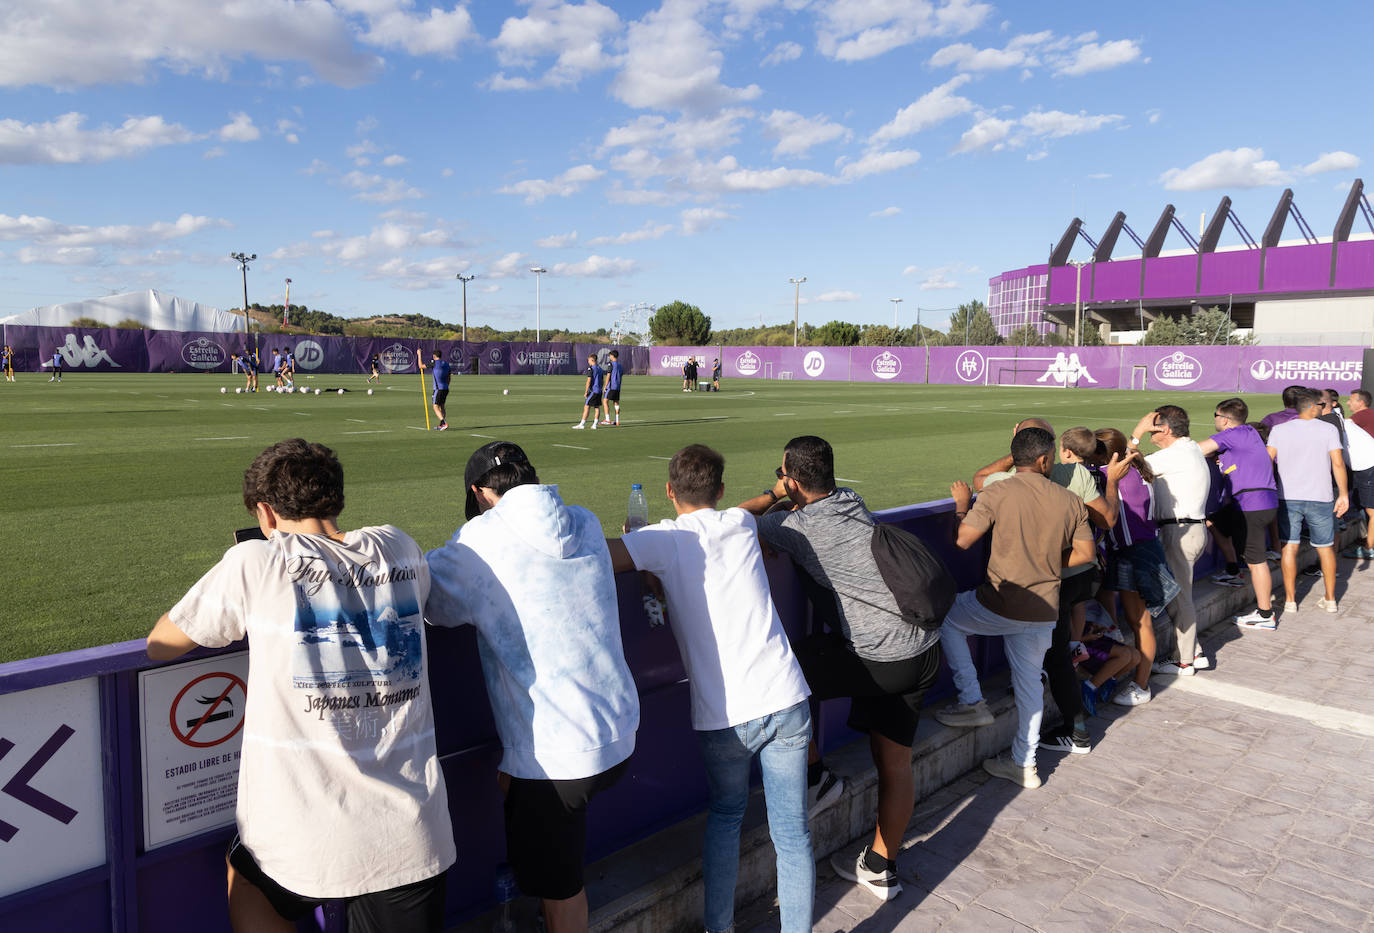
[{"x": 1238, "y": 799}]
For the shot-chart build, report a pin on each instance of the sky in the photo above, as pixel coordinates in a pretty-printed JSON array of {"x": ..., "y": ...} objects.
[{"x": 372, "y": 150}]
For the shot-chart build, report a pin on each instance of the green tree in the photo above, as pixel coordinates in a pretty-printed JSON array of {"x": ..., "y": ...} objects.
[
  {"x": 918, "y": 335},
  {"x": 680, "y": 324},
  {"x": 1027, "y": 335},
  {"x": 836, "y": 334},
  {"x": 1092, "y": 334},
  {"x": 1211, "y": 326},
  {"x": 1164, "y": 331},
  {"x": 972, "y": 326},
  {"x": 85, "y": 322},
  {"x": 882, "y": 335}
]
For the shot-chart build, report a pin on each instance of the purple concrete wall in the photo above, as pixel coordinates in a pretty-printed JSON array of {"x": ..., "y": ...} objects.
[
  {"x": 1297, "y": 268},
  {"x": 1230, "y": 273},
  {"x": 1355, "y": 264},
  {"x": 1114, "y": 279},
  {"x": 1171, "y": 277}
]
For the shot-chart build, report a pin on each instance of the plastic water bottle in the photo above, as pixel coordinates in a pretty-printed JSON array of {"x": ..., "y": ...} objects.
[
  {"x": 506, "y": 893},
  {"x": 637, "y": 513}
]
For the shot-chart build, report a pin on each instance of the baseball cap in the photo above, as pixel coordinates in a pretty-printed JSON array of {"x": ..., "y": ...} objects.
[{"x": 483, "y": 460}]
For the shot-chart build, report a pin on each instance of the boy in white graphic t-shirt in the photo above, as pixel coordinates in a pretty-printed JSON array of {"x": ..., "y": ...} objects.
[{"x": 338, "y": 738}]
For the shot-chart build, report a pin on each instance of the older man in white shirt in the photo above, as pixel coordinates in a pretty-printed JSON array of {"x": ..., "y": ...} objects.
[{"x": 1180, "y": 497}]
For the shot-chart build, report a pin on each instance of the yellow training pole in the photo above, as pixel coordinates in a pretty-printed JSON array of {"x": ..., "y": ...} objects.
[{"x": 419, "y": 358}]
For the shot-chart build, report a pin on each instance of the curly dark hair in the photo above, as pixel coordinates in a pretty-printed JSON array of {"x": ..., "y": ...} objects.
[{"x": 297, "y": 479}]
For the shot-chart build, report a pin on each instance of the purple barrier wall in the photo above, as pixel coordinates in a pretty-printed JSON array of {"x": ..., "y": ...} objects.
[
  {"x": 1231, "y": 272},
  {"x": 749, "y": 362},
  {"x": 1196, "y": 369},
  {"x": 1297, "y": 268},
  {"x": 1113, "y": 279},
  {"x": 543, "y": 359},
  {"x": 823, "y": 363},
  {"x": 959, "y": 365},
  {"x": 89, "y": 349},
  {"x": 1354, "y": 264},
  {"x": 493, "y": 358},
  {"x": 668, "y": 361},
  {"x": 1171, "y": 276},
  {"x": 887, "y": 364},
  {"x": 1270, "y": 369}
]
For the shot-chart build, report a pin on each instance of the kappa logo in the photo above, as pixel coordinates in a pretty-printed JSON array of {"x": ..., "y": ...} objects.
[
  {"x": 886, "y": 366},
  {"x": 1066, "y": 368},
  {"x": 969, "y": 366},
  {"x": 85, "y": 353},
  {"x": 309, "y": 355},
  {"x": 1262, "y": 369},
  {"x": 202, "y": 353},
  {"x": 813, "y": 364},
  {"x": 1178, "y": 369},
  {"x": 748, "y": 363}
]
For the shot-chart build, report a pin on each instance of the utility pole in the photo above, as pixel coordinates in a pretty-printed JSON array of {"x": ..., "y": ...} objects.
[
  {"x": 538, "y": 274},
  {"x": 896, "y": 302},
  {"x": 465, "y": 279},
  {"x": 286, "y": 308},
  {"x": 1078, "y": 300},
  {"x": 796, "y": 307},
  {"x": 243, "y": 260}
]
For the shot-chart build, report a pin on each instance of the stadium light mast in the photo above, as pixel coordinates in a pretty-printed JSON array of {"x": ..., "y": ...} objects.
[
  {"x": 1078, "y": 265},
  {"x": 538, "y": 272},
  {"x": 465, "y": 279},
  {"x": 796, "y": 307},
  {"x": 286, "y": 308},
  {"x": 243, "y": 260},
  {"x": 896, "y": 302}
]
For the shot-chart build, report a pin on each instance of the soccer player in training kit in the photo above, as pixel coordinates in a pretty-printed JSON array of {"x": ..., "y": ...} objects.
[
  {"x": 241, "y": 364},
  {"x": 376, "y": 365},
  {"x": 288, "y": 369},
  {"x": 56, "y": 366},
  {"x": 276, "y": 368},
  {"x": 611, "y": 392},
  {"x": 8, "y": 354},
  {"x": 591, "y": 400},
  {"x": 440, "y": 370},
  {"x": 715, "y": 375}
]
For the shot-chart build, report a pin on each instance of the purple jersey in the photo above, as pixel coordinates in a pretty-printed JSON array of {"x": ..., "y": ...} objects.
[
  {"x": 1246, "y": 468},
  {"x": 1136, "y": 522},
  {"x": 1279, "y": 417}
]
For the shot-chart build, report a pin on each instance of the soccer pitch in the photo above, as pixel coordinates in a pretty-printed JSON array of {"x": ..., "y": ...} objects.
[{"x": 121, "y": 490}]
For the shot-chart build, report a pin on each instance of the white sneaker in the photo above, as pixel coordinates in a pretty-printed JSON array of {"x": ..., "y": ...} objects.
[
  {"x": 882, "y": 884},
  {"x": 593, "y": 425},
  {"x": 1290, "y": 607},
  {"x": 1201, "y": 662},
  {"x": 1172, "y": 669},
  {"x": 579, "y": 426},
  {"x": 1132, "y": 695},
  {"x": 1255, "y": 620},
  {"x": 1328, "y": 604}
]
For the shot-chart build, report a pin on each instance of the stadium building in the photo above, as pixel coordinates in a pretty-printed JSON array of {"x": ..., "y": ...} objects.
[{"x": 1307, "y": 291}]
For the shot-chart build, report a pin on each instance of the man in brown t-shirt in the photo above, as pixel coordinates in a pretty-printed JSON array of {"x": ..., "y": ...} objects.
[{"x": 1037, "y": 528}]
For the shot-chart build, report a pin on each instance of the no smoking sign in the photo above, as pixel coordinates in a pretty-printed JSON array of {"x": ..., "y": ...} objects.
[{"x": 209, "y": 709}]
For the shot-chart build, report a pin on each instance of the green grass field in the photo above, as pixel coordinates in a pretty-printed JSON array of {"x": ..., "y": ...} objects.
[{"x": 121, "y": 490}]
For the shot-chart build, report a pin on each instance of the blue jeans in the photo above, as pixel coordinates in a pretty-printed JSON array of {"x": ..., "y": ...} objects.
[
  {"x": 1024, "y": 644},
  {"x": 1320, "y": 518},
  {"x": 780, "y": 740}
]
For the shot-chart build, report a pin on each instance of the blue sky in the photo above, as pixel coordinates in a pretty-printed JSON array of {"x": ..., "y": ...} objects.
[{"x": 370, "y": 150}]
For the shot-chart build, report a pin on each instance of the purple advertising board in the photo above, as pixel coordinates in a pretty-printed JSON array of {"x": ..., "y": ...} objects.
[
  {"x": 541, "y": 359},
  {"x": 668, "y": 361},
  {"x": 887, "y": 364},
  {"x": 89, "y": 349},
  {"x": 1171, "y": 276},
  {"x": 1193, "y": 369},
  {"x": 1055, "y": 367},
  {"x": 749, "y": 362},
  {"x": 493, "y": 359},
  {"x": 1235, "y": 271},
  {"x": 826, "y": 363},
  {"x": 170, "y": 351},
  {"x": 1270, "y": 369}
]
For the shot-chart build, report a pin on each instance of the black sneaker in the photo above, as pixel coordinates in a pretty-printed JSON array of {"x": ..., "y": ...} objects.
[
  {"x": 882, "y": 884},
  {"x": 823, "y": 793},
  {"x": 1065, "y": 740}
]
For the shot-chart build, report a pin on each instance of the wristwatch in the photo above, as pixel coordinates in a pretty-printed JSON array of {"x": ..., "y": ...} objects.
[
  {"x": 1134, "y": 441},
  {"x": 771, "y": 494}
]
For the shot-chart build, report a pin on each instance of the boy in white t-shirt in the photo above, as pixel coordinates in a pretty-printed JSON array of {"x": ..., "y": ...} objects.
[
  {"x": 340, "y": 794},
  {"x": 748, "y": 691}
]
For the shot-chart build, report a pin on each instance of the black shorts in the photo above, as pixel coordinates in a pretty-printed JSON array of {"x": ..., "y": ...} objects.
[
  {"x": 1246, "y": 530},
  {"x": 546, "y": 831},
  {"x": 594, "y": 401},
  {"x": 440, "y": 397},
  {"x": 407, "y": 908},
  {"x": 887, "y": 695},
  {"x": 612, "y": 395},
  {"x": 1362, "y": 484}
]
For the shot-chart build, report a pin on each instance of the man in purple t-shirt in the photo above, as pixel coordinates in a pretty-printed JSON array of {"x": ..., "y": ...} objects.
[
  {"x": 1289, "y": 410},
  {"x": 1308, "y": 453},
  {"x": 1248, "y": 473}
]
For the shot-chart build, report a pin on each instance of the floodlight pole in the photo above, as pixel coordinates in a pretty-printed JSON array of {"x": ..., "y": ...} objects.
[
  {"x": 286, "y": 308},
  {"x": 895, "y": 303},
  {"x": 243, "y": 260},
  {"x": 796, "y": 308},
  {"x": 465, "y": 279},
  {"x": 538, "y": 273},
  {"x": 1078, "y": 300}
]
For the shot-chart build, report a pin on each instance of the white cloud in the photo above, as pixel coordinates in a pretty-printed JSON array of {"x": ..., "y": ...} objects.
[
  {"x": 58, "y": 255},
  {"x": 1093, "y": 56},
  {"x": 239, "y": 129},
  {"x": 1229, "y": 168},
  {"x": 937, "y": 281},
  {"x": 965, "y": 57},
  {"x": 379, "y": 190},
  {"x": 45, "y": 232},
  {"x": 1100, "y": 176},
  {"x": 1038, "y": 124},
  {"x": 63, "y": 141},
  {"x": 1037, "y": 156},
  {"x": 796, "y": 134},
  {"x": 1332, "y": 162},
  {"x": 316, "y": 167},
  {"x": 292, "y": 138},
  {"x": 650, "y": 231},
  {"x": 439, "y": 34},
  {"x": 688, "y": 134},
  {"x": 446, "y": 173},
  {"x": 575, "y": 34},
  {"x": 534, "y": 190},
  {"x": 892, "y": 211},
  {"x": 394, "y": 160},
  {"x": 747, "y": 179},
  {"x": 671, "y": 63},
  {"x": 1154, "y": 114},
  {"x": 874, "y": 163},
  {"x": 595, "y": 267},
  {"x": 935, "y": 106},
  {"x": 697, "y": 219},
  {"x": 557, "y": 241},
  {"x": 986, "y": 132},
  {"x": 782, "y": 52},
  {"x": 854, "y": 30},
  {"x": 837, "y": 295},
  {"x": 213, "y": 152}
]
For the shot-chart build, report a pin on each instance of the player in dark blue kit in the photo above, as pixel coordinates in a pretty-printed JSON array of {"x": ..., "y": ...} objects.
[
  {"x": 611, "y": 392},
  {"x": 591, "y": 392},
  {"x": 56, "y": 366},
  {"x": 276, "y": 368},
  {"x": 440, "y": 371},
  {"x": 715, "y": 375},
  {"x": 8, "y": 354},
  {"x": 240, "y": 364}
]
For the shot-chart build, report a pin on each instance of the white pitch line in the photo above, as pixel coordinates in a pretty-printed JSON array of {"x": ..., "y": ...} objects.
[
  {"x": 411, "y": 427},
  {"x": 163, "y": 396},
  {"x": 844, "y": 411},
  {"x": 69, "y": 444},
  {"x": 490, "y": 437},
  {"x": 356, "y": 420},
  {"x": 196, "y": 400},
  {"x": 259, "y": 409},
  {"x": 652, "y": 457},
  {"x": 843, "y": 480},
  {"x": 243, "y": 437},
  {"x": 303, "y": 414},
  {"x": 387, "y": 431},
  {"x": 784, "y": 414},
  {"x": 572, "y": 446}
]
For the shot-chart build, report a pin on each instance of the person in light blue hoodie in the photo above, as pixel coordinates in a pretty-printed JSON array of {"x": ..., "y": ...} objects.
[{"x": 534, "y": 577}]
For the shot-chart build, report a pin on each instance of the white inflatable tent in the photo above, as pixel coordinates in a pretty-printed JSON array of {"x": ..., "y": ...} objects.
[{"x": 153, "y": 309}]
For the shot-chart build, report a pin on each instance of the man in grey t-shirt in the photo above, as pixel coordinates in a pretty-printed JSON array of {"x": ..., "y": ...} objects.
[{"x": 870, "y": 654}]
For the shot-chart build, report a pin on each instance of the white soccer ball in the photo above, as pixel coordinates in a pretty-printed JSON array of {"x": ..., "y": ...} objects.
[
  {"x": 238, "y": 390},
  {"x": 505, "y": 391},
  {"x": 369, "y": 391},
  {"x": 317, "y": 391},
  {"x": 271, "y": 388},
  {"x": 222, "y": 390},
  {"x": 341, "y": 391}
]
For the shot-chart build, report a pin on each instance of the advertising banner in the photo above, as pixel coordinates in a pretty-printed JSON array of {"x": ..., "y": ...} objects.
[
  {"x": 1055, "y": 367},
  {"x": 168, "y": 351},
  {"x": 826, "y": 363},
  {"x": 749, "y": 362},
  {"x": 192, "y": 731},
  {"x": 83, "y": 349},
  {"x": 1194, "y": 369},
  {"x": 52, "y": 811},
  {"x": 493, "y": 359},
  {"x": 541, "y": 359},
  {"x": 887, "y": 364},
  {"x": 668, "y": 361},
  {"x": 960, "y": 365},
  {"x": 1270, "y": 369}
]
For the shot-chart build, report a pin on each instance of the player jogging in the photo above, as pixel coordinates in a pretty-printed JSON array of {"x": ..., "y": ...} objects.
[
  {"x": 440, "y": 372},
  {"x": 288, "y": 369},
  {"x": 611, "y": 391},
  {"x": 56, "y": 366},
  {"x": 591, "y": 392},
  {"x": 375, "y": 364},
  {"x": 715, "y": 375},
  {"x": 8, "y": 359}
]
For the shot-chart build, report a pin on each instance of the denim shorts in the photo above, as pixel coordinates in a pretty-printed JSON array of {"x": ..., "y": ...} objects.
[
  {"x": 1141, "y": 568},
  {"x": 1319, "y": 517}
]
